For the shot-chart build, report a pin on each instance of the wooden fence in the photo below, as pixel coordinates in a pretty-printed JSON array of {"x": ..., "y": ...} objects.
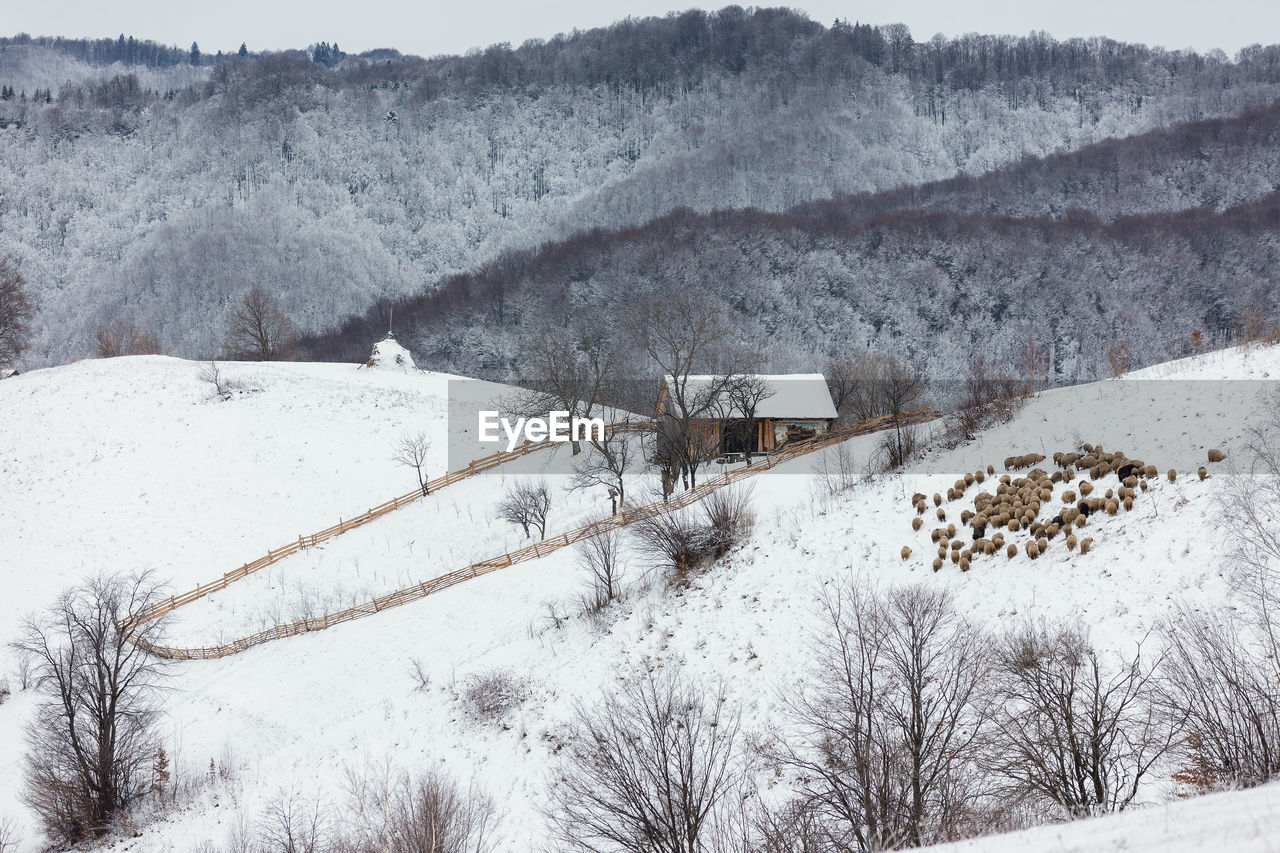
[{"x": 529, "y": 552}]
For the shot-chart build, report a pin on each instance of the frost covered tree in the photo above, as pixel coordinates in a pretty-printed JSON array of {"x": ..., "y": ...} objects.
[{"x": 16, "y": 312}]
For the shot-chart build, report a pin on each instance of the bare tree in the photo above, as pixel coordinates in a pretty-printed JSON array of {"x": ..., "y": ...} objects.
[
  {"x": 607, "y": 465},
  {"x": 9, "y": 836},
  {"x": 258, "y": 330},
  {"x": 92, "y": 740},
  {"x": 573, "y": 370},
  {"x": 892, "y": 715},
  {"x": 291, "y": 824},
  {"x": 682, "y": 333},
  {"x": 16, "y": 313},
  {"x": 121, "y": 337},
  {"x": 600, "y": 556},
  {"x": 654, "y": 769},
  {"x": 989, "y": 395},
  {"x": 411, "y": 452},
  {"x": 527, "y": 504},
  {"x": 426, "y": 813},
  {"x": 743, "y": 395},
  {"x": 1073, "y": 731},
  {"x": 1218, "y": 687}
]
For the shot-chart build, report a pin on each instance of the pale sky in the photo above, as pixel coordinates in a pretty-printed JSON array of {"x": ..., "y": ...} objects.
[{"x": 430, "y": 27}]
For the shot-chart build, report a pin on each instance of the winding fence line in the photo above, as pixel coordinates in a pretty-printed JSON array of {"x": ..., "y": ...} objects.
[{"x": 529, "y": 552}]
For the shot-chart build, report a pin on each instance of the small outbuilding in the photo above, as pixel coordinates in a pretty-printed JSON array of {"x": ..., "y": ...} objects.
[
  {"x": 388, "y": 354},
  {"x": 757, "y": 413}
]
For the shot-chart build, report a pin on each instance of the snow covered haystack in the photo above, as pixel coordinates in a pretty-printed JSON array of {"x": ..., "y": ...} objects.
[{"x": 388, "y": 354}]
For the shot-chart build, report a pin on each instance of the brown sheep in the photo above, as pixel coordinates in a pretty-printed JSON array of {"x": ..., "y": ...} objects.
[
  {"x": 1042, "y": 544},
  {"x": 1005, "y": 479},
  {"x": 1151, "y": 472},
  {"x": 1131, "y": 482},
  {"x": 937, "y": 499},
  {"x": 1112, "y": 507},
  {"x": 1071, "y": 543},
  {"x": 998, "y": 540},
  {"x": 1128, "y": 503},
  {"x": 1068, "y": 497},
  {"x": 1084, "y": 546},
  {"x": 937, "y": 563},
  {"x": 1069, "y": 475},
  {"x": 1051, "y": 531},
  {"x": 917, "y": 523},
  {"x": 1089, "y": 461},
  {"x": 964, "y": 564},
  {"x": 1088, "y": 448},
  {"x": 1109, "y": 495},
  {"x": 921, "y": 507},
  {"x": 1013, "y": 551},
  {"x": 991, "y": 469},
  {"x": 979, "y": 475},
  {"x": 942, "y": 551},
  {"x": 942, "y": 514},
  {"x": 951, "y": 494},
  {"x": 955, "y": 557},
  {"x": 1203, "y": 472},
  {"x": 1055, "y": 477},
  {"x": 1216, "y": 455},
  {"x": 1081, "y": 520},
  {"x": 906, "y": 552},
  {"x": 951, "y": 531},
  {"x": 1085, "y": 489},
  {"x": 917, "y": 497},
  {"x": 965, "y": 515},
  {"x": 1032, "y": 550},
  {"x": 969, "y": 479},
  {"x": 938, "y": 533},
  {"x": 1143, "y": 485},
  {"x": 1173, "y": 475},
  {"x": 1014, "y": 526}
]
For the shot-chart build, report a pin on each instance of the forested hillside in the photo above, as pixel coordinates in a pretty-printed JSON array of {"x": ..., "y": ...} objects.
[{"x": 162, "y": 190}]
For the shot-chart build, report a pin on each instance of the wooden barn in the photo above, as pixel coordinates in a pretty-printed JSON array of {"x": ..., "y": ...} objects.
[{"x": 787, "y": 408}]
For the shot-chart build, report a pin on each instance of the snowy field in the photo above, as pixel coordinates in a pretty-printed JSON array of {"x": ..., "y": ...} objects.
[{"x": 129, "y": 464}]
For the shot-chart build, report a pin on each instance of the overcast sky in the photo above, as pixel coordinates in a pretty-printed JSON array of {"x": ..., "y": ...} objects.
[{"x": 430, "y": 27}]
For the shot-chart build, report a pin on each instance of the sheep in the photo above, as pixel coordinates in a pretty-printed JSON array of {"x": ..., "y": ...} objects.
[
  {"x": 937, "y": 499},
  {"x": 1130, "y": 482},
  {"x": 1082, "y": 520},
  {"x": 1112, "y": 507},
  {"x": 1085, "y": 489},
  {"x": 1042, "y": 544},
  {"x": 1216, "y": 455},
  {"x": 1151, "y": 472},
  {"x": 1014, "y": 526},
  {"x": 968, "y": 479},
  {"x": 951, "y": 531},
  {"x": 917, "y": 498},
  {"x": 1012, "y": 551},
  {"x": 1071, "y": 542},
  {"x": 1084, "y": 546},
  {"x": 917, "y": 523},
  {"x": 1127, "y": 470},
  {"x": 1202, "y": 472},
  {"x": 938, "y": 533},
  {"x": 1144, "y": 485},
  {"x": 1055, "y": 477},
  {"x": 921, "y": 507},
  {"x": 1032, "y": 550},
  {"x": 964, "y": 564},
  {"x": 965, "y": 515},
  {"x": 998, "y": 540},
  {"x": 942, "y": 514},
  {"x": 951, "y": 494},
  {"x": 942, "y": 551},
  {"x": 906, "y": 552},
  {"x": 937, "y": 563},
  {"x": 1110, "y": 494},
  {"x": 1128, "y": 503},
  {"x": 1089, "y": 461},
  {"x": 1005, "y": 479},
  {"x": 991, "y": 469},
  {"x": 1068, "y": 497},
  {"x": 1173, "y": 475},
  {"x": 979, "y": 476},
  {"x": 1010, "y": 461},
  {"x": 955, "y": 557},
  {"x": 1052, "y": 530},
  {"x": 1088, "y": 448}
]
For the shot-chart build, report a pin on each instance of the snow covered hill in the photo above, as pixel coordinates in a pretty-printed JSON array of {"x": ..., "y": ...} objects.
[{"x": 130, "y": 464}]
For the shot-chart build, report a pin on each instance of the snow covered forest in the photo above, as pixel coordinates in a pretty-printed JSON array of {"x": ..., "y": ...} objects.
[{"x": 481, "y": 192}]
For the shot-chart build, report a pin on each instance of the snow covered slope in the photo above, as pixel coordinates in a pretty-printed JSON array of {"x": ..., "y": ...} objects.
[{"x": 130, "y": 464}]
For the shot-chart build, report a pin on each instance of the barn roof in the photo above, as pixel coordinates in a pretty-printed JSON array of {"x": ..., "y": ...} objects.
[{"x": 800, "y": 396}]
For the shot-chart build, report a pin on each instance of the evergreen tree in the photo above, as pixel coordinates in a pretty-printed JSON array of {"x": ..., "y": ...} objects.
[
  {"x": 244, "y": 51},
  {"x": 195, "y": 54}
]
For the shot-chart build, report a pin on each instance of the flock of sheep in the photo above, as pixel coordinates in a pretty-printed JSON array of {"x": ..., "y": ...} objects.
[{"x": 1019, "y": 503}]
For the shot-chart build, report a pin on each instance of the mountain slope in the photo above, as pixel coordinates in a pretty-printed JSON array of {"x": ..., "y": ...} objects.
[{"x": 337, "y": 188}]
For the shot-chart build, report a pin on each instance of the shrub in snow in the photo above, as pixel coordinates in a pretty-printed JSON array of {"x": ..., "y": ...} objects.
[{"x": 491, "y": 695}]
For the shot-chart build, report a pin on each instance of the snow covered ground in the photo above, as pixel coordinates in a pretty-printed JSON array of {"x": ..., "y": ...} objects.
[{"x": 129, "y": 464}]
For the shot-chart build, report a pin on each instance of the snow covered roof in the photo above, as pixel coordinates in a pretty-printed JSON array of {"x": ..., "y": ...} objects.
[
  {"x": 800, "y": 396},
  {"x": 389, "y": 355}
]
